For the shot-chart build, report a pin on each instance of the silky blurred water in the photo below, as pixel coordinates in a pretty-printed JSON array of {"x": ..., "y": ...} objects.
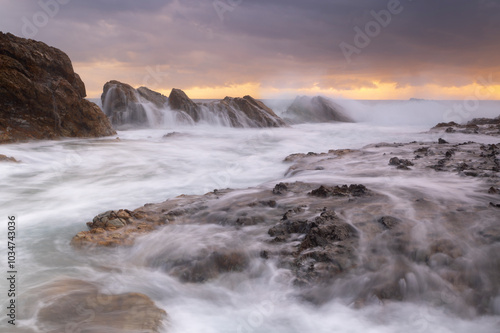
[{"x": 60, "y": 185}]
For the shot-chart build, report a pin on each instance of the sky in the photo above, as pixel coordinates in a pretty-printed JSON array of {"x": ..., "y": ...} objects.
[{"x": 356, "y": 49}]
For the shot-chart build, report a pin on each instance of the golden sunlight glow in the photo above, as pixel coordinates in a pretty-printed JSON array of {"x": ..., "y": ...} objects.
[
  {"x": 96, "y": 74},
  {"x": 240, "y": 90}
]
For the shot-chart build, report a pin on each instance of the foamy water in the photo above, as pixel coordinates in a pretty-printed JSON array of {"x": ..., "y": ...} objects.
[{"x": 60, "y": 185}]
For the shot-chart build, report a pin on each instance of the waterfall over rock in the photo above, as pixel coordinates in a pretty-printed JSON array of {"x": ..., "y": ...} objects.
[{"x": 142, "y": 107}]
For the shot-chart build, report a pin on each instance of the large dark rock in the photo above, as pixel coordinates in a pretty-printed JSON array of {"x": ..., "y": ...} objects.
[
  {"x": 315, "y": 110},
  {"x": 41, "y": 97},
  {"x": 123, "y": 104},
  {"x": 178, "y": 100},
  {"x": 159, "y": 100},
  {"x": 234, "y": 112},
  {"x": 246, "y": 112}
]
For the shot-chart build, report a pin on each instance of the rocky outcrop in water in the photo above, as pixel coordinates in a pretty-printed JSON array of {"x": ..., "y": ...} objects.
[
  {"x": 398, "y": 236},
  {"x": 4, "y": 158},
  {"x": 234, "y": 112},
  {"x": 178, "y": 100},
  {"x": 487, "y": 126},
  {"x": 126, "y": 106},
  {"x": 305, "y": 109},
  {"x": 245, "y": 112},
  {"x": 41, "y": 97},
  {"x": 72, "y": 305}
]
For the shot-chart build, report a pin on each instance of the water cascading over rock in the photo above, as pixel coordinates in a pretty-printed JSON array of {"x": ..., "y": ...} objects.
[
  {"x": 318, "y": 109},
  {"x": 126, "y": 107},
  {"x": 142, "y": 107}
]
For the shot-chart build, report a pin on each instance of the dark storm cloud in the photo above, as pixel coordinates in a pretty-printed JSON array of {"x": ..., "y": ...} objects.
[{"x": 277, "y": 42}]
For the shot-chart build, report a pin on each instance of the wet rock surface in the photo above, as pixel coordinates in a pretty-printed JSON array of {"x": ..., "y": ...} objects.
[
  {"x": 4, "y": 158},
  {"x": 486, "y": 126},
  {"x": 392, "y": 236},
  {"x": 315, "y": 110},
  {"x": 236, "y": 112},
  {"x": 72, "y": 305},
  {"x": 41, "y": 97}
]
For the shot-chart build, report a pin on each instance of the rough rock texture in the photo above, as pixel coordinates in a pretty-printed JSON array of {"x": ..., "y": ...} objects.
[
  {"x": 41, "y": 97},
  {"x": 159, "y": 100},
  {"x": 487, "y": 126},
  {"x": 429, "y": 234},
  {"x": 178, "y": 100},
  {"x": 234, "y": 112},
  {"x": 78, "y": 306},
  {"x": 114, "y": 228},
  {"x": 4, "y": 158},
  {"x": 315, "y": 110},
  {"x": 245, "y": 112},
  {"x": 121, "y": 104}
]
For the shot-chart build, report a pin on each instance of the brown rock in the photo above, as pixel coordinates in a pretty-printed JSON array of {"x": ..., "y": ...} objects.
[
  {"x": 78, "y": 306},
  {"x": 316, "y": 110},
  {"x": 178, "y": 100},
  {"x": 41, "y": 97},
  {"x": 4, "y": 158}
]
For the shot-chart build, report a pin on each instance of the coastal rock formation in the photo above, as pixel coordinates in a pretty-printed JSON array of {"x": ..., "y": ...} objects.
[
  {"x": 315, "y": 110},
  {"x": 178, "y": 100},
  {"x": 4, "y": 158},
  {"x": 404, "y": 234},
  {"x": 234, "y": 112},
  {"x": 244, "y": 112},
  {"x": 125, "y": 105},
  {"x": 487, "y": 126},
  {"x": 41, "y": 97},
  {"x": 78, "y": 306}
]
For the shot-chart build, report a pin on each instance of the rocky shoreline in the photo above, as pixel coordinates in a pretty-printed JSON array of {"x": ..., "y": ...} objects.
[{"x": 365, "y": 243}]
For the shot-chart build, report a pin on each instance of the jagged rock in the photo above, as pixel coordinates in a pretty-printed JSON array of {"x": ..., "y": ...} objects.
[
  {"x": 41, "y": 97},
  {"x": 245, "y": 112},
  {"x": 485, "y": 121},
  {"x": 121, "y": 104},
  {"x": 178, "y": 100},
  {"x": 78, "y": 306},
  {"x": 205, "y": 268},
  {"x": 280, "y": 188},
  {"x": 354, "y": 190},
  {"x": 315, "y": 110},
  {"x": 159, "y": 100},
  {"x": 114, "y": 228},
  {"x": 401, "y": 164},
  {"x": 4, "y": 158}
]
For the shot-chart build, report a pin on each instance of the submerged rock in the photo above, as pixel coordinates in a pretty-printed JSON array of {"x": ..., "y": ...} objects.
[
  {"x": 78, "y": 306},
  {"x": 4, "y": 158},
  {"x": 41, "y": 97},
  {"x": 403, "y": 240},
  {"x": 315, "y": 110}
]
